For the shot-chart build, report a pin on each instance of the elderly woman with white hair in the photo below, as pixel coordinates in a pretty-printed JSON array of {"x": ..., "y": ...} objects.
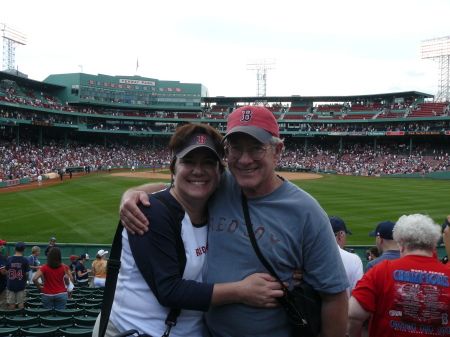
[{"x": 409, "y": 296}]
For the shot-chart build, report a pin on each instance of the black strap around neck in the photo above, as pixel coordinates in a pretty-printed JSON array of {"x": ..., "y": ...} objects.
[
  {"x": 285, "y": 301},
  {"x": 251, "y": 234}
]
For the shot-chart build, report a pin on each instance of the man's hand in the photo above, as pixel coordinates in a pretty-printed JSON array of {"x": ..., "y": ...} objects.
[
  {"x": 298, "y": 277},
  {"x": 130, "y": 214},
  {"x": 260, "y": 290},
  {"x": 132, "y": 218}
]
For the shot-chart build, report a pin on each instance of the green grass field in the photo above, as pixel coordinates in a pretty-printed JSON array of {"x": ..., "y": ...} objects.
[{"x": 85, "y": 210}]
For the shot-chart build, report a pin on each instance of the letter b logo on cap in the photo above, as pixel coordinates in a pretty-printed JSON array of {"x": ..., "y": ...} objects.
[{"x": 246, "y": 115}]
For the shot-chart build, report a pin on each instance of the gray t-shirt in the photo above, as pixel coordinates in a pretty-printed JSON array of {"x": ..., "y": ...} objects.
[{"x": 292, "y": 231}]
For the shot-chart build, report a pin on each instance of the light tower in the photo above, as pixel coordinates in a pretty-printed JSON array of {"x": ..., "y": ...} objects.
[
  {"x": 439, "y": 50},
  {"x": 11, "y": 39},
  {"x": 261, "y": 66}
]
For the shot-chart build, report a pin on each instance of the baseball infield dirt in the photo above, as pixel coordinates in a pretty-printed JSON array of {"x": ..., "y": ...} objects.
[
  {"x": 140, "y": 174},
  {"x": 287, "y": 175}
]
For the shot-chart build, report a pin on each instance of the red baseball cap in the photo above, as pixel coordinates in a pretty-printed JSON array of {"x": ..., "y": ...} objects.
[
  {"x": 2, "y": 242},
  {"x": 256, "y": 121},
  {"x": 73, "y": 258}
]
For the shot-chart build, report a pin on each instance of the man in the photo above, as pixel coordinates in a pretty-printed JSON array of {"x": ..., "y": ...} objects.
[
  {"x": 352, "y": 262},
  {"x": 290, "y": 226},
  {"x": 18, "y": 270},
  {"x": 51, "y": 244},
  {"x": 441, "y": 239},
  {"x": 408, "y": 296},
  {"x": 446, "y": 238},
  {"x": 3, "y": 303},
  {"x": 386, "y": 245}
]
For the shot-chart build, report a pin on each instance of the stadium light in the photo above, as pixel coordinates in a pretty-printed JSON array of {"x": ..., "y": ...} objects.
[
  {"x": 439, "y": 50},
  {"x": 11, "y": 38},
  {"x": 261, "y": 66}
]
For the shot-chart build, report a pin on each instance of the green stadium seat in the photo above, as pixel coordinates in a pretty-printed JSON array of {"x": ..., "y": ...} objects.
[
  {"x": 47, "y": 332},
  {"x": 76, "y": 332},
  {"x": 15, "y": 312},
  {"x": 22, "y": 322},
  {"x": 68, "y": 312},
  {"x": 90, "y": 305},
  {"x": 34, "y": 305},
  {"x": 72, "y": 306},
  {"x": 79, "y": 296},
  {"x": 92, "y": 312},
  {"x": 38, "y": 312},
  {"x": 84, "y": 321},
  {"x": 9, "y": 331},
  {"x": 56, "y": 321},
  {"x": 93, "y": 300}
]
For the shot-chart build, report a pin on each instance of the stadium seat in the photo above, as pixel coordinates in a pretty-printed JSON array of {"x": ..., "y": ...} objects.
[
  {"x": 22, "y": 322},
  {"x": 76, "y": 332},
  {"x": 93, "y": 300},
  {"x": 68, "y": 312},
  {"x": 72, "y": 305},
  {"x": 33, "y": 305},
  {"x": 78, "y": 296},
  {"x": 92, "y": 312},
  {"x": 9, "y": 331},
  {"x": 38, "y": 312},
  {"x": 90, "y": 305},
  {"x": 55, "y": 321},
  {"x": 47, "y": 332},
  {"x": 15, "y": 312},
  {"x": 85, "y": 321}
]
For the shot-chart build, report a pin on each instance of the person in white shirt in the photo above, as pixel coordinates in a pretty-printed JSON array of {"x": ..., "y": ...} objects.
[{"x": 352, "y": 262}]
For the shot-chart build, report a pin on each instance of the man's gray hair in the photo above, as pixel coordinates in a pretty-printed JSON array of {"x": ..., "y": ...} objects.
[
  {"x": 417, "y": 231},
  {"x": 274, "y": 141}
]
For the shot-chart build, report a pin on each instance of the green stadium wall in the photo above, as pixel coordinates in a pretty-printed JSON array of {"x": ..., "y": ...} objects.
[{"x": 77, "y": 249}]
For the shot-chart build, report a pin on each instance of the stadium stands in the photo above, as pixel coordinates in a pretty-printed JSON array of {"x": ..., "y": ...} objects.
[
  {"x": 86, "y": 129},
  {"x": 31, "y": 321}
]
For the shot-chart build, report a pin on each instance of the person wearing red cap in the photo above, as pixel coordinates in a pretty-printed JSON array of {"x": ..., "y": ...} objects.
[
  {"x": 165, "y": 268},
  {"x": 290, "y": 226},
  {"x": 3, "y": 304},
  {"x": 73, "y": 264}
]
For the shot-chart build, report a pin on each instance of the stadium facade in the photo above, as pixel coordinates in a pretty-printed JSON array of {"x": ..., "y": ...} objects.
[{"x": 104, "y": 109}]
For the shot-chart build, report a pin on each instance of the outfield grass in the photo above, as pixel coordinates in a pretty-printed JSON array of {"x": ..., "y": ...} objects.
[{"x": 85, "y": 210}]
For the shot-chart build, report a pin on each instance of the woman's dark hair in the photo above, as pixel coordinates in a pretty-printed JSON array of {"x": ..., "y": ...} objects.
[
  {"x": 374, "y": 251},
  {"x": 54, "y": 258},
  {"x": 181, "y": 136}
]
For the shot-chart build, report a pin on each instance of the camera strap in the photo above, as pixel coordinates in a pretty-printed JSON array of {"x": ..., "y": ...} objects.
[{"x": 286, "y": 301}]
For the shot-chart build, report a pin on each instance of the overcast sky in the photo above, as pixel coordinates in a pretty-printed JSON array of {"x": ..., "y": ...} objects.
[{"x": 321, "y": 47}]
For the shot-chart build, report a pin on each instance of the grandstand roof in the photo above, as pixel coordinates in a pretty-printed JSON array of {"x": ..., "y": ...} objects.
[
  {"x": 24, "y": 81},
  {"x": 298, "y": 98}
]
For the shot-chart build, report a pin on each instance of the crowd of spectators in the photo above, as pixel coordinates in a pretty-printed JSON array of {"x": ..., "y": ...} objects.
[
  {"x": 363, "y": 159},
  {"x": 26, "y": 159}
]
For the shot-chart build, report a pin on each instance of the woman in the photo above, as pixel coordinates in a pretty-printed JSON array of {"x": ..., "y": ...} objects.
[
  {"x": 150, "y": 280},
  {"x": 54, "y": 292},
  {"x": 99, "y": 268},
  {"x": 81, "y": 272},
  {"x": 35, "y": 264}
]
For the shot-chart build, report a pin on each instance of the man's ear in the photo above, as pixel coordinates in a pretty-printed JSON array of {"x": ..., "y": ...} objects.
[{"x": 278, "y": 151}]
